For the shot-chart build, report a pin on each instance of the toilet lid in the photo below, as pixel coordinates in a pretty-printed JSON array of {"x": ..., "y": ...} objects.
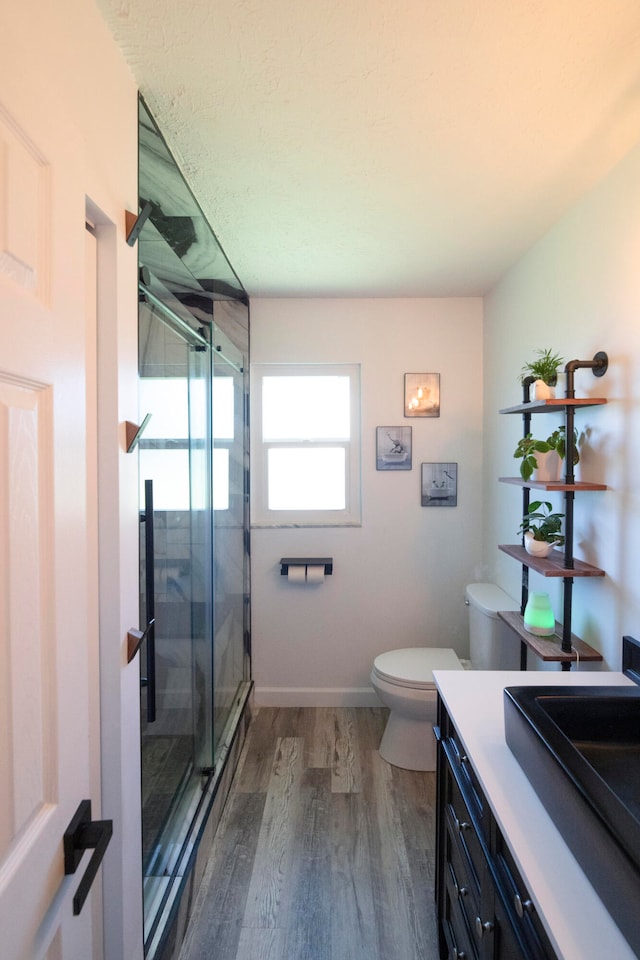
[{"x": 414, "y": 666}]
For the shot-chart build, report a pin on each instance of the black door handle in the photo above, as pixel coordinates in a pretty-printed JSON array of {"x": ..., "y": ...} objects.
[
  {"x": 150, "y": 575},
  {"x": 82, "y": 834}
]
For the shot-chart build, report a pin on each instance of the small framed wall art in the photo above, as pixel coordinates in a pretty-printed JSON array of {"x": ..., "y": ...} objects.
[
  {"x": 393, "y": 448},
  {"x": 422, "y": 394},
  {"x": 439, "y": 485}
]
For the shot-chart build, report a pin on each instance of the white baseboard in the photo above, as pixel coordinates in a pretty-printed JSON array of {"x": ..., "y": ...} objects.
[{"x": 316, "y": 697}]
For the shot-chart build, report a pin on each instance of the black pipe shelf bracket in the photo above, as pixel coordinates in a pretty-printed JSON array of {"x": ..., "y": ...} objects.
[
  {"x": 599, "y": 366},
  {"x": 326, "y": 562}
]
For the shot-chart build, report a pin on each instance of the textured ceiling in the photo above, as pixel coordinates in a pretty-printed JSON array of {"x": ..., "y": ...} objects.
[{"x": 397, "y": 148}]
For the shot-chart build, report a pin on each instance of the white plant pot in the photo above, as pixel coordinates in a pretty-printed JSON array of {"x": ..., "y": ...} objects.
[
  {"x": 549, "y": 467},
  {"x": 542, "y": 391},
  {"x": 537, "y": 548}
]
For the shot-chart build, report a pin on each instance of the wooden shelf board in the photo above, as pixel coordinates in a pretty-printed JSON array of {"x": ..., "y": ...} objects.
[
  {"x": 552, "y": 406},
  {"x": 551, "y": 566},
  {"x": 548, "y": 648},
  {"x": 551, "y": 485}
]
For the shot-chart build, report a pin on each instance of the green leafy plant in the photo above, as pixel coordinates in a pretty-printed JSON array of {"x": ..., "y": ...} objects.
[
  {"x": 557, "y": 442},
  {"x": 526, "y": 451},
  {"x": 528, "y": 446},
  {"x": 543, "y": 523},
  {"x": 544, "y": 368}
]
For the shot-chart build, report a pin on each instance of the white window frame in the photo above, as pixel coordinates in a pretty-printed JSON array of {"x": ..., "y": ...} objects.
[{"x": 261, "y": 515}]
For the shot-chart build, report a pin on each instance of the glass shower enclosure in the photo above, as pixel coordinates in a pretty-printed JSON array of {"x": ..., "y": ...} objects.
[{"x": 194, "y": 573}]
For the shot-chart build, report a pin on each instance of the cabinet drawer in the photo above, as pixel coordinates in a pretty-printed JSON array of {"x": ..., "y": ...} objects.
[
  {"x": 459, "y": 761},
  {"x": 462, "y": 883},
  {"x": 519, "y": 905},
  {"x": 457, "y": 756},
  {"x": 460, "y": 823},
  {"x": 456, "y": 926}
]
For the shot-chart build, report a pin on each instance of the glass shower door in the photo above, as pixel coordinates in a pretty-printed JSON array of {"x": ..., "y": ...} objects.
[
  {"x": 230, "y": 588},
  {"x": 176, "y": 591},
  {"x": 194, "y": 533}
]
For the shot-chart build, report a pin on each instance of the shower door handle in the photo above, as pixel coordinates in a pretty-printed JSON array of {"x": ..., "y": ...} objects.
[{"x": 150, "y": 600}]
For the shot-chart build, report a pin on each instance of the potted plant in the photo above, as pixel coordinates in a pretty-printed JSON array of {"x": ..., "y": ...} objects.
[
  {"x": 557, "y": 441},
  {"x": 534, "y": 455},
  {"x": 544, "y": 371},
  {"x": 541, "y": 528}
]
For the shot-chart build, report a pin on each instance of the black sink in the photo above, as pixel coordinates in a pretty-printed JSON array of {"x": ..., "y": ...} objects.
[{"x": 580, "y": 749}]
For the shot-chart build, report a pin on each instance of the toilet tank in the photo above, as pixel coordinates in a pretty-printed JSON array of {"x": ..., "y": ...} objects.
[{"x": 492, "y": 646}]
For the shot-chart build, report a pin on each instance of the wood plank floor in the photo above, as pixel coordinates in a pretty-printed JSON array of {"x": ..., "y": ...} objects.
[{"x": 324, "y": 850}]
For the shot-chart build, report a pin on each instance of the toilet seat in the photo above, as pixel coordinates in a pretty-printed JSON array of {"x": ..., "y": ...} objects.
[{"x": 413, "y": 667}]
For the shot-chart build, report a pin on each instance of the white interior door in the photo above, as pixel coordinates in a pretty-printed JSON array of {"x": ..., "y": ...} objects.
[{"x": 47, "y": 559}]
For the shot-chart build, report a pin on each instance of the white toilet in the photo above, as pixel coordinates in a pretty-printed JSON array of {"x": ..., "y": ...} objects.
[
  {"x": 492, "y": 645},
  {"x": 403, "y": 679}
]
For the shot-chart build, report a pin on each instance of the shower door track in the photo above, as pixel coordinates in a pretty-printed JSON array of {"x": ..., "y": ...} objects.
[{"x": 182, "y": 326}]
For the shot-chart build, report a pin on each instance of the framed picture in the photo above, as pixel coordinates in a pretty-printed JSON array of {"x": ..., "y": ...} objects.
[
  {"x": 393, "y": 448},
  {"x": 439, "y": 484},
  {"x": 422, "y": 394}
]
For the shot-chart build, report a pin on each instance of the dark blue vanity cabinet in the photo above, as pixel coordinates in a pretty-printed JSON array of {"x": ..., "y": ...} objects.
[{"x": 484, "y": 909}]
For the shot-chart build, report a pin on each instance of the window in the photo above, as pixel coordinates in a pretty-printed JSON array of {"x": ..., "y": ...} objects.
[{"x": 306, "y": 444}]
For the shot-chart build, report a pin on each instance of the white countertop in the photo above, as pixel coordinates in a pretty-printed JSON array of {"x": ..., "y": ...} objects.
[{"x": 578, "y": 925}]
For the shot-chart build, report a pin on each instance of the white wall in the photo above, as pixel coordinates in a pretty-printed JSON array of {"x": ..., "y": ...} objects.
[
  {"x": 577, "y": 291},
  {"x": 399, "y": 578},
  {"x": 67, "y": 49}
]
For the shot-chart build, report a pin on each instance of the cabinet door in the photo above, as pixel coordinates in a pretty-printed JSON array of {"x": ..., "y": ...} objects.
[
  {"x": 506, "y": 945},
  {"x": 521, "y": 908}
]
